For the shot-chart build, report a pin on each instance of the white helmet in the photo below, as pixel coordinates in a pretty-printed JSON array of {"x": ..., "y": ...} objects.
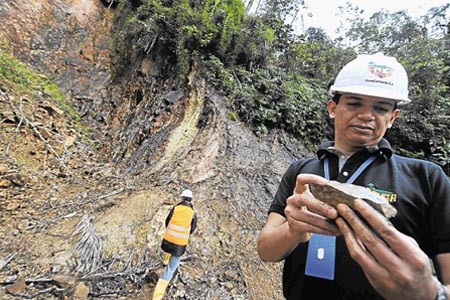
[
  {"x": 187, "y": 194},
  {"x": 373, "y": 75}
]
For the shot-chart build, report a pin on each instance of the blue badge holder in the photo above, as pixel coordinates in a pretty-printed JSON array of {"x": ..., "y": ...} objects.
[{"x": 320, "y": 260}]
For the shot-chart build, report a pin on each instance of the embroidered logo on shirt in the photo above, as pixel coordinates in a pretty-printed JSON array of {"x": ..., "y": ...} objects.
[{"x": 389, "y": 196}]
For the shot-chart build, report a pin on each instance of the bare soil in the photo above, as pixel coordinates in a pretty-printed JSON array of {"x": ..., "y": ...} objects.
[{"x": 58, "y": 186}]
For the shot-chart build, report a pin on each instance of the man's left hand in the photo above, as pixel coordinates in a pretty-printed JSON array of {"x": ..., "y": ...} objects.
[{"x": 392, "y": 261}]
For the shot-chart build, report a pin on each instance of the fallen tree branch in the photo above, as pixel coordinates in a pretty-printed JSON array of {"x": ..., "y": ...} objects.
[
  {"x": 4, "y": 261},
  {"x": 23, "y": 118},
  {"x": 30, "y": 280},
  {"x": 16, "y": 131},
  {"x": 101, "y": 282},
  {"x": 49, "y": 290},
  {"x": 88, "y": 248},
  {"x": 94, "y": 199}
]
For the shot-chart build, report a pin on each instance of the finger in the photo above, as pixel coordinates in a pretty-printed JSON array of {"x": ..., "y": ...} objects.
[
  {"x": 320, "y": 222},
  {"x": 360, "y": 243},
  {"x": 307, "y": 220},
  {"x": 313, "y": 204},
  {"x": 374, "y": 244},
  {"x": 356, "y": 249},
  {"x": 306, "y": 199},
  {"x": 303, "y": 179},
  {"x": 301, "y": 226},
  {"x": 373, "y": 270},
  {"x": 401, "y": 244},
  {"x": 322, "y": 208}
]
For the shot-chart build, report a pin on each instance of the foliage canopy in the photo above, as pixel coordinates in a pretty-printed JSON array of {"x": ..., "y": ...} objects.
[{"x": 276, "y": 78}]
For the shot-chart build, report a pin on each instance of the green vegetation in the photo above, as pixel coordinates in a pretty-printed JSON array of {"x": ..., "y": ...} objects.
[
  {"x": 24, "y": 79},
  {"x": 179, "y": 30},
  {"x": 276, "y": 79},
  {"x": 442, "y": 155},
  {"x": 271, "y": 99},
  {"x": 422, "y": 46}
]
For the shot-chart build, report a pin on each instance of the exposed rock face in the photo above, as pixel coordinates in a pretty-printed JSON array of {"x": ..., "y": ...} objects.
[
  {"x": 68, "y": 40},
  {"x": 159, "y": 140}
]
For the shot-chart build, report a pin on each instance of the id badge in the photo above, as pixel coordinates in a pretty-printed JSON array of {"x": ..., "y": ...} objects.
[{"x": 320, "y": 259}]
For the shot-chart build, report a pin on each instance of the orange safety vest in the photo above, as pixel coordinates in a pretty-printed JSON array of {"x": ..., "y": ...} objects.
[{"x": 179, "y": 227}]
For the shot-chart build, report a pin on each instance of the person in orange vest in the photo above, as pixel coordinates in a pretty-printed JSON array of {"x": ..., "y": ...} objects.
[{"x": 180, "y": 223}]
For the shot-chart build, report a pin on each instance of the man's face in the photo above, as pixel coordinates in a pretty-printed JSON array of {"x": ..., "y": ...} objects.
[{"x": 360, "y": 121}]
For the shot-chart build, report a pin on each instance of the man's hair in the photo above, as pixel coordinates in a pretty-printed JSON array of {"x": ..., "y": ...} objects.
[{"x": 336, "y": 98}]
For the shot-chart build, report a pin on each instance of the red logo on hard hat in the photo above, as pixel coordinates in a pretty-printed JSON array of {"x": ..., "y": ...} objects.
[{"x": 380, "y": 70}]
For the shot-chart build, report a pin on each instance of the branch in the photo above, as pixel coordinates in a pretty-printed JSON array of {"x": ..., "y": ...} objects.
[
  {"x": 88, "y": 249},
  {"x": 16, "y": 131},
  {"x": 19, "y": 112},
  {"x": 31, "y": 296},
  {"x": 4, "y": 261}
]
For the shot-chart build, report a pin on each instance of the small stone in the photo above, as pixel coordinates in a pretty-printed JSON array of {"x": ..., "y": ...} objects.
[
  {"x": 16, "y": 179},
  {"x": 5, "y": 183},
  {"x": 8, "y": 117},
  {"x": 81, "y": 292},
  {"x": 69, "y": 141},
  {"x": 18, "y": 287},
  {"x": 65, "y": 280},
  {"x": 3, "y": 169}
]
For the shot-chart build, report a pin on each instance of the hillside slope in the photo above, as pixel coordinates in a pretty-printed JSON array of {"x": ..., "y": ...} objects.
[{"x": 53, "y": 178}]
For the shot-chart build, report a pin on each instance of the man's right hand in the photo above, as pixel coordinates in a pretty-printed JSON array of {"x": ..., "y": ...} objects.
[{"x": 305, "y": 214}]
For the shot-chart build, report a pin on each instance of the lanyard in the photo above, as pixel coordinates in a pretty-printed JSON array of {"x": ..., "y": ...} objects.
[
  {"x": 320, "y": 259},
  {"x": 361, "y": 168}
]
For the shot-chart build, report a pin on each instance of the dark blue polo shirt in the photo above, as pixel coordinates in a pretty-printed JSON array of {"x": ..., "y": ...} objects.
[{"x": 418, "y": 189}]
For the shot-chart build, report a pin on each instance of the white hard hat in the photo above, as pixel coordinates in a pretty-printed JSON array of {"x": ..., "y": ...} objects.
[
  {"x": 373, "y": 75},
  {"x": 187, "y": 194}
]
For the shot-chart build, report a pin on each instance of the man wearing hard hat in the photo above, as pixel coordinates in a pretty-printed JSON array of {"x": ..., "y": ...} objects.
[
  {"x": 344, "y": 253},
  {"x": 180, "y": 223}
]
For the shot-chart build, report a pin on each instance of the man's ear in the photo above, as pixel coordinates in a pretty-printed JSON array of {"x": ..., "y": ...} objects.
[
  {"x": 331, "y": 106},
  {"x": 394, "y": 116}
]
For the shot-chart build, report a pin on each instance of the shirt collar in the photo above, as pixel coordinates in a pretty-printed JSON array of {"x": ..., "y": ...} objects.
[{"x": 383, "y": 149}]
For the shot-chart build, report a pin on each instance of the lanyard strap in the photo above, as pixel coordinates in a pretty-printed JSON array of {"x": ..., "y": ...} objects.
[
  {"x": 361, "y": 168},
  {"x": 321, "y": 255}
]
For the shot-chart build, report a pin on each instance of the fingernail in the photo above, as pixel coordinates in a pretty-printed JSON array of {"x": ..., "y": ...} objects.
[
  {"x": 358, "y": 203},
  {"x": 341, "y": 207}
]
